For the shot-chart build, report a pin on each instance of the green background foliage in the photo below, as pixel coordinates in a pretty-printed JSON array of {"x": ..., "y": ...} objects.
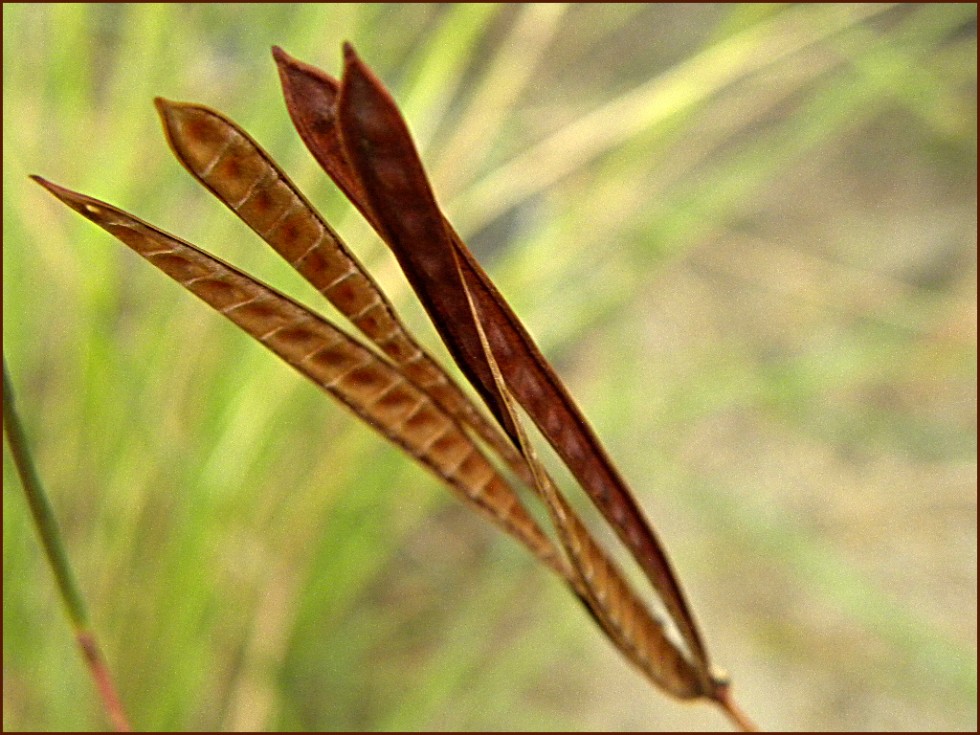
[{"x": 745, "y": 235}]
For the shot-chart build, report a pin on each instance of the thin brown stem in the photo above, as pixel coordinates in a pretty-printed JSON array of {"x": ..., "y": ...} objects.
[{"x": 734, "y": 713}]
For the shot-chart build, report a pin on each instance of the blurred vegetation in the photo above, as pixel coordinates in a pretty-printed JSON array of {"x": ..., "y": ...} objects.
[{"x": 746, "y": 236}]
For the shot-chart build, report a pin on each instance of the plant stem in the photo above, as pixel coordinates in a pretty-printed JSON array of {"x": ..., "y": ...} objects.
[
  {"x": 47, "y": 528},
  {"x": 734, "y": 713}
]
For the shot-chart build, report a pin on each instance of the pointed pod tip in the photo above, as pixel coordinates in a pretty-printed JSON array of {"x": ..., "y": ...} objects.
[
  {"x": 171, "y": 111},
  {"x": 167, "y": 110},
  {"x": 73, "y": 199},
  {"x": 53, "y": 188},
  {"x": 357, "y": 71},
  {"x": 177, "y": 115},
  {"x": 351, "y": 59}
]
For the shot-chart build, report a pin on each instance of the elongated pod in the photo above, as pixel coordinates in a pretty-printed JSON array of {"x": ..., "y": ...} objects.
[
  {"x": 230, "y": 164},
  {"x": 372, "y": 388}
]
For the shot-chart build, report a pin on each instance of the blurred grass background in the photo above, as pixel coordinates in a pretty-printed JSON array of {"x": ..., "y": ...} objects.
[{"x": 745, "y": 235}]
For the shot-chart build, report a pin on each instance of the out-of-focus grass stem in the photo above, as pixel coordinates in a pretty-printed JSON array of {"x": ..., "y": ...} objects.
[{"x": 47, "y": 529}]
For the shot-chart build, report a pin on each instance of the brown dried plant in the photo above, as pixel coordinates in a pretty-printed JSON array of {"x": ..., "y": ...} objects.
[{"x": 354, "y": 130}]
